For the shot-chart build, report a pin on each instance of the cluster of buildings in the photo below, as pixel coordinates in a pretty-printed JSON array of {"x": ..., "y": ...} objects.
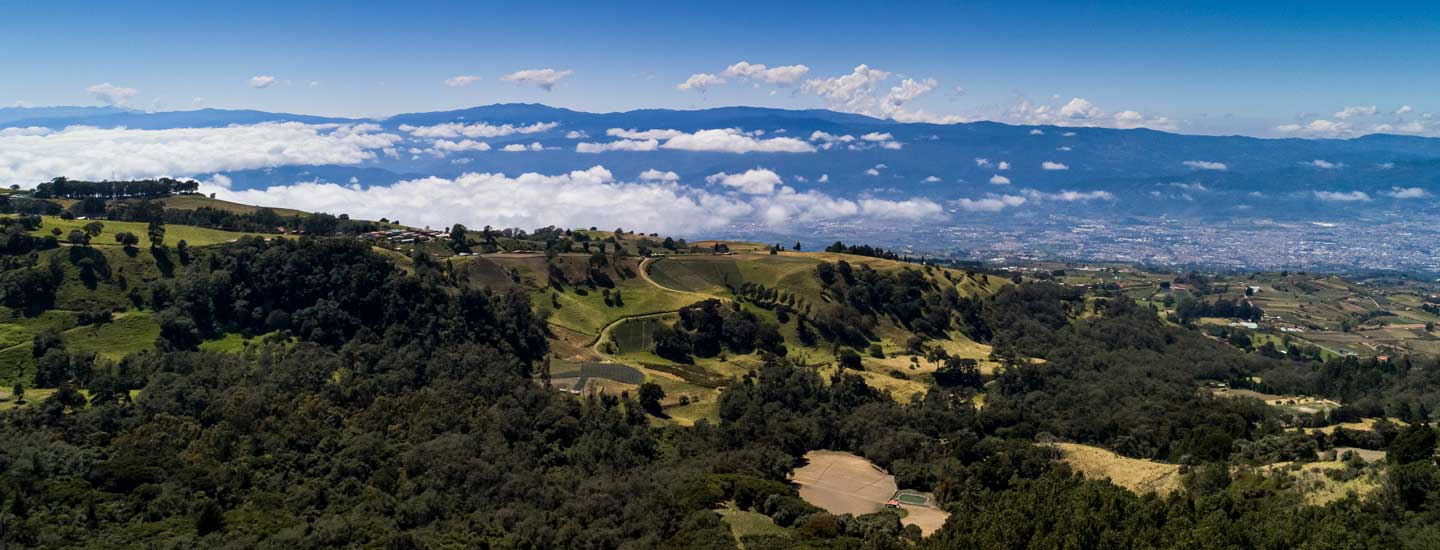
[{"x": 404, "y": 235}]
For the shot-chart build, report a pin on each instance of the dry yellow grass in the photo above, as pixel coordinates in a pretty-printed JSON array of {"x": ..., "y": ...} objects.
[
  {"x": 1319, "y": 489},
  {"x": 1140, "y": 476}
]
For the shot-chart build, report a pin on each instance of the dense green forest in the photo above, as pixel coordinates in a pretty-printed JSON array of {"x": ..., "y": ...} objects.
[{"x": 382, "y": 404}]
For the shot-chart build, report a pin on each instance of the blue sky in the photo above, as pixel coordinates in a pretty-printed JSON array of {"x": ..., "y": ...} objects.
[{"x": 1203, "y": 68}]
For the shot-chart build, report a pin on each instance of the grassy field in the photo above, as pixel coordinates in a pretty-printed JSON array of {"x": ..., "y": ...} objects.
[
  {"x": 192, "y": 202},
  {"x": 193, "y": 236},
  {"x": 750, "y": 524},
  {"x": 129, "y": 332},
  {"x": 1140, "y": 476}
]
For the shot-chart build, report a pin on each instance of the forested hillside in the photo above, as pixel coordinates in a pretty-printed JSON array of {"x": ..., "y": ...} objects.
[{"x": 356, "y": 387}]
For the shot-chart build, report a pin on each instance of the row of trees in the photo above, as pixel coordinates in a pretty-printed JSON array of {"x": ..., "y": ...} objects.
[{"x": 63, "y": 188}]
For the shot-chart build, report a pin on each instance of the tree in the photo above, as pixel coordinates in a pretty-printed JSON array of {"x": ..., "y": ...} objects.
[
  {"x": 182, "y": 249},
  {"x": 127, "y": 239},
  {"x": 458, "y": 240},
  {"x": 850, "y": 360},
  {"x": 797, "y": 246},
  {"x": 650, "y": 396},
  {"x": 156, "y": 232},
  {"x": 17, "y": 392},
  {"x": 1414, "y": 444},
  {"x": 78, "y": 238},
  {"x": 210, "y": 520}
]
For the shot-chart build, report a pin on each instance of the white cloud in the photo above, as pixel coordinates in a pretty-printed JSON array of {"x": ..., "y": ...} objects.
[
  {"x": 578, "y": 199},
  {"x": 1066, "y": 148},
  {"x": 1324, "y": 164},
  {"x": 1082, "y": 112},
  {"x": 110, "y": 94},
  {"x": 642, "y": 134},
  {"x": 756, "y": 181},
  {"x": 656, "y": 175},
  {"x": 461, "y": 81},
  {"x": 1068, "y": 134},
  {"x": 858, "y": 92},
  {"x": 824, "y": 178},
  {"x": 1404, "y": 110},
  {"x": 1068, "y": 196},
  {"x": 1206, "y": 165},
  {"x": 478, "y": 130},
  {"x": 1037, "y": 132},
  {"x": 998, "y": 179},
  {"x": 576, "y": 134},
  {"x": 909, "y": 209},
  {"x": 1406, "y": 193},
  {"x": 1190, "y": 186},
  {"x": 262, "y": 81},
  {"x": 1338, "y": 196},
  {"x": 877, "y": 136},
  {"x": 622, "y": 145},
  {"x": 730, "y": 140},
  {"x": 545, "y": 79},
  {"x": 982, "y": 162},
  {"x": 872, "y": 172},
  {"x": 894, "y": 145},
  {"x": 1318, "y": 127},
  {"x": 1004, "y": 165},
  {"x": 93, "y": 153},
  {"x": 1357, "y": 111},
  {"x": 932, "y": 179},
  {"x": 700, "y": 82},
  {"x": 782, "y": 76},
  {"x": 520, "y": 147},
  {"x": 442, "y": 146},
  {"x": 828, "y": 137},
  {"x": 1049, "y": 165},
  {"x": 990, "y": 203}
]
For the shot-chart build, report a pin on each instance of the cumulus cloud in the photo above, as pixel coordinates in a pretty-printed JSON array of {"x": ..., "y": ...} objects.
[
  {"x": 642, "y": 134},
  {"x": 722, "y": 140},
  {"x": 478, "y": 130},
  {"x": 782, "y": 76},
  {"x": 110, "y": 94},
  {"x": 859, "y": 92},
  {"x": 756, "y": 181},
  {"x": 932, "y": 179},
  {"x": 982, "y": 162},
  {"x": 520, "y": 147},
  {"x": 1339, "y": 196},
  {"x": 1324, "y": 164},
  {"x": 700, "y": 82},
  {"x": 1206, "y": 165},
  {"x": 872, "y": 172},
  {"x": 1004, "y": 165},
  {"x": 998, "y": 179},
  {"x": 261, "y": 81},
  {"x": 824, "y": 178},
  {"x": 877, "y": 136},
  {"x": 545, "y": 79},
  {"x": 1357, "y": 111},
  {"x": 989, "y": 203},
  {"x": 1406, "y": 193},
  {"x": 1037, "y": 132},
  {"x": 442, "y": 146},
  {"x": 1404, "y": 110},
  {"x": 1068, "y": 196},
  {"x": 909, "y": 209},
  {"x": 621, "y": 145},
  {"x": 461, "y": 81},
  {"x": 1081, "y": 112},
  {"x": 576, "y": 134},
  {"x": 656, "y": 175},
  {"x": 1050, "y": 165},
  {"x": 95, "y": 153}
]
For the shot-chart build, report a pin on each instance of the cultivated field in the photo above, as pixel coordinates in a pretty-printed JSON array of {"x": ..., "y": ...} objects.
[{"x": 843, "y": 483}]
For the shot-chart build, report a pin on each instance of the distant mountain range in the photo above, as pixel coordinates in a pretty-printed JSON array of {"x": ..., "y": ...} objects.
[{"x": 855, "y": 155}]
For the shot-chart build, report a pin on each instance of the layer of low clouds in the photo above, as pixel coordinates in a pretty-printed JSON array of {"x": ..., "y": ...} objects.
[
  {"x": 583, "y": 198},
  {"x": 28, "y": 158},
  {"x": 1081, "y": 112}
]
